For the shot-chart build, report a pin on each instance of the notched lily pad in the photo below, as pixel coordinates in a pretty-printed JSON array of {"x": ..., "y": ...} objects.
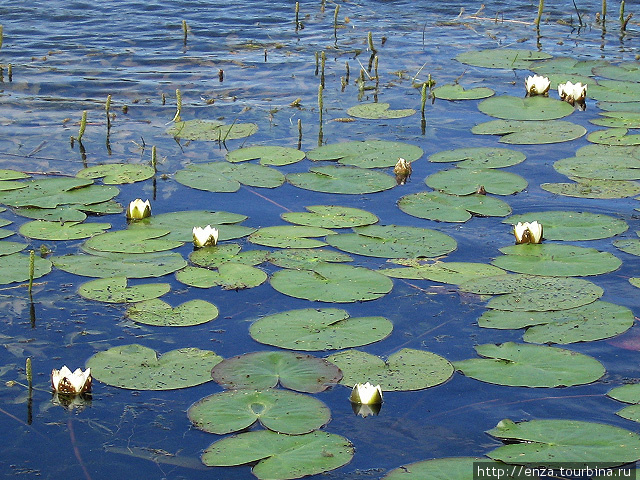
[
  {"x": 466, "y": 181},
  {"x": 506, "y": 58},
  {"x": 443, "y": 207},
  {"x": 366, "y": 154},
  {"x": 106, "y": 264},
  {"x": 531, "y": 132},
  {"x": 290, "y": 236},
  {"x": 377, "y": 111},
  {"x": 229, "y": 276},
  {"x": 345, "y": 180},
  {"x": 43, "y": 230},
  {"x": 480, "y": 157},
  {"x": 331, "y": 216},
  {"x": 211, "y": 130},
  {"x": 15, "y": 267},
  {"x": 537, "y": 107},
  {"x": 458, "y": 92},
  {"x": 268, "y": 155},
  {"x": 118, "y": 173},
  {"x": 227, "y": 177},
  {"x": 160, "y": 313},
  {"x": 587, "y": 188},
  {"x": 573, "y": 226},
  {"x": 306, "y": 258},
  {"x": 443, "y": 272},
  {"x": 133, "y": 241},
  {"x": 115, "y": 290}
]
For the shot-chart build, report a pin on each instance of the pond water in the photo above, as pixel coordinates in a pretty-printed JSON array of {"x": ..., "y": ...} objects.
[{"x": 246, "y": 62}]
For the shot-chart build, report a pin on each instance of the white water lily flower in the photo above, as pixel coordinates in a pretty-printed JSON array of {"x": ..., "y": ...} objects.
[
  {"x": 71, "y": 383},
  {"x": 204, "y": 237},
  {"x": 572, "y": 92},
  {"x": 537, "y": 85},
  {"x": 366, "y": 394},
  {"x": 402, "y": 170},
  {"x": 528, "y": 232},
  {"x": 139, "y": 209}
]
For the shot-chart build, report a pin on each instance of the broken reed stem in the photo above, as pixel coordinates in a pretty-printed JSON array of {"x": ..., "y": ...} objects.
[
  {"x": 370, "y": 43},
  {"x": 323, "y": 59},
  {"x": 32, "y": 267},
  {"x": 297, "y": 16},
  {"x": 154, "y": 159},
  {"x": 177, "y": 117},
  {"x": 83, "y": 125},
  {"x": 10, "y": 72},
  {"x": 347, "y": 76},
  {"x": 375, "y": 67},
  {"x": 622, "y": 12},
  {"x": 299, "y": 134},
  {"x": 317, "y": 55},
  {"x": 335, "y": 22},
  {"x": 423, "y": 98},
  {"x": 320, "y": 102},
  {"x": 185, "y": 31},
  {"x": 540, "y": 8},
  {"x": 107, "y": 108},
  {"x": 29, "y": 372},
  {"x": 603, "y": 15}
]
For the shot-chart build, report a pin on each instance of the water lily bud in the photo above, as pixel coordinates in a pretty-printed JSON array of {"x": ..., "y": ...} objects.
[
  {"x": 139, "y": 209},
  {"x": 528, "y": 232},
  {"x": 366, "y": 394},
  {"x": 537, "y": 85},
  {"x": 402, "y": 171},
  {"x": 204, "y": 237},
  {"x": 71, "y": 383}
]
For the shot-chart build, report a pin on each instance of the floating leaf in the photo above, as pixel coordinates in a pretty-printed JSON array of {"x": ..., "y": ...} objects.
[
  {"x": 51, "y": 192},
  {"x": 227, "y": 177},
  {"x": 457, "y": 92},
  {"x": 544, "y": 442},
  {"x": 366, "y": 154},
  {"x": 443, "y": 207},
  {"x": 214, "y": 256},
  {"x": 7, "y": 248},
  {"x": 573, "y": 226},
  {"x": 599, "y": 167},
  {"x": 465, "y": 181},
  {"x": 594, "y": 188},
  {"x": 160, "y": 313},
  {"x": 406, "y": 369},
  {"x": 615, "y": 91},
  {"x": 118, "y": 173},
  {"x": 506, "y": 58},
  {"x": 627, "y": 72},
  {"x": 480, "y": 157},
  {"x": 42, "y": 230},
  {"x": 524, "y": 365},
  {"x": 531, "y": 132},
  {"x": 537, "y": 107},
  {"x": 334, "y": 283},
  {"x": 377, "y": 111},
  {"x": 319, "y": 329},
  {"x": 229, "y": 276},
  {"x": 121, "y": 264},
  {"x": 631, "y": 245},
  {"x": 444, "y": 272},
  {"x": 290, "y": 236},
  {"x": 115, "y": 290},
  {"x": 279, "y": 410},
  {"x": 133, "y": 241},
  {"x": 346, "y": 180},
  {"x": 15, "y": 268},
  {"x": 268, "y": 155},
  {"x": 62, "y": 213},
  {"x": 617, "y": 120},
  {"x": 331, "y": 216},
  {"x": 305, "y": 258},
  {"x": 614, "y": 136},
  {"x": 629, "y": 393},
  {"x": 567, "y": 66},
  {"x": 211, "y": 130},
  {"x": 393, "y": 241},
  {"x": 453, "y": 468},
  {"x": 281, "y": 457},
  {"x": 6, "y": 174},
  {"x": 556, "y": 260},
  {"x": 260, "y": 370},
  {"x": 139, "y": 368}
]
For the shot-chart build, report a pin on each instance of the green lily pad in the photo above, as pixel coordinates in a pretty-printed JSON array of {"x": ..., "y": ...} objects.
[
  {"x": 268, "y": 155},
  {"x": 480, "y": 157},
  {"x": 406, "y": 369},
  {"x": 524, "y": 365},
  {"x": 393, "y": 241},
  {"x": 531, "y": 132},
  {"x": 229, "y": 276},
  {"x": 587, "y": 323},
  {"x": 319, "y": 329},
  {"x": 629, "y": 245},
  {"x": 465, "y": 181},
  {"x": 8, "y": 248},
  {"x": 543, "y": 442},
  {"x": 594, "y": 188},
  {"x": 42, "y": 230},
  {"x": 107, "y": 207},
  {"x": 615, "y": 91},
  {"x": 443, "y": 272},
  {"x": 556, "y": 260},
  {"x": 600, "y": 168},
  {"x": 115, "y": 290},
  {"x": 227, "y": 177},
  {"x": 453, "y": 468},
  {"x": 334, "y": 283},
  {"x": 214, "y": 256},
  {"x": 306, "y": 258},
  {"x": 629, "y": 393},
  {"x": 281, "y": 411},
  {"x": 566, "y": 66},
  {"x": 121, "y": 264},
  {"x": 133, "y": 241},
  {"x": 4, "y": 232},
  {"x": 51, "y": 192},
  {"x": 15, "y": 268},
  {"x": 290, "y": 236},
  {"x": 137, "y": 367},
  {"x": 260, "y": 370},
  {"x": 366, "y": 154},
  {"x": 377, "y": 111},
  {"x": 281, "y": 457},
  {"x": 346, "y": 180},
  {"x": 626, "y": 72},
  {"x": 443, "y": 207},
  {"x": 632, "y": 412},
  {"x": 505, "y": 58},
  {"x": 538, "y": 107},
  {"x": 331, "y": 216},
  {"x": 457, "y": 92},
  {"x": 573, "y": 226},
  {"x": 619, "y": 106},
  {"x": 6, "y": 174},
  {"x": 62, "y": 213},
  {"x": 211, "y": 130},
  {"x": 526, "y": 293},
  {"x": 617, "y": 120},
  {"x": 118, "y": 173},
  {"x": 6, "y": 185},
  {"x": 160, "y": 313},
  {"x": 614, "y": 136}
]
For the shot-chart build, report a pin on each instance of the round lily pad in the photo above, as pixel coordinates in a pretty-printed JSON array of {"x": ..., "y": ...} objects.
[
  {"x": 614, "y": 136},
  {"x": 281, "y": 457},
  {"x": 268, "y": 155},
  {"x": 52, "y": 191},
  {"x": 15, "y": 267},
  {"x": 505, "y": 58},
  {"x": 7, "y": 248},
  {"x": 586, "y": 188},
  {"x": 43, "y": 230},
  {"x": 629, "y": 393},
  {"x": 260, "y": 370},
  {"x": 377, "y": 111},
  {"x": 216, "y": 255},
  {"x": 617, "y": 120},
  {"x": 573, "y": 226},
  {"x": 366, "y": 154},
  {"x": 62, "y": 213},
  {"x": 443, "y": 207},
  {"x": 335, "y": 283},
  {"x": 480, "y": 157},
  {"x": 531, "y": 132},
  {"x": 615, "y": 91},
  {"x": 443, "y": 272},
  {"x": 458, "y": 92},
  {"x": 211, "y": 130},
  {"x": 524, "y": 365},
  {"x": 406, "y": 369},
  {"x": 556, "y": 260},
  {"x": 465, "y": 181},
  {"x": 137, "y": 367},
  {"x": 290, "y": 236},
  {"x": 319, "y": 329},
  {"x": 306, "y": 258},
  {"x": 115, "y": 290},
  {"x": 393, "y": 241},
  {"x": 229, "y": 276},
  {"x": 346, "y": 180},
  {"x": 160, "y": 313},
  {"x": 540, "y": 442},
  {"x": 452, "y": 468},
  {"x": 566, "y": 66},
  {"x": 118, "y": 173},
  {"x": 282, "y": 411},
  {"x": 133, "y": 241},
  {"x": 121, "y": 264},
  {"x": 6, "y": 174},
  {"x": 537, "y": 107},
  {"x": 630, "y": 245},
  {"x": 227, "y": 177},
  {"x": 331, "y": 216}
]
